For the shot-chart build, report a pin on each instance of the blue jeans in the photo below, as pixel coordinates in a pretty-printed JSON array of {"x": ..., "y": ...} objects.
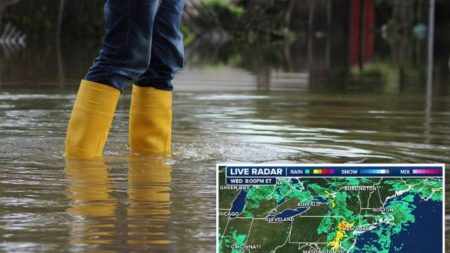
[{"x": 142, "y": 43}]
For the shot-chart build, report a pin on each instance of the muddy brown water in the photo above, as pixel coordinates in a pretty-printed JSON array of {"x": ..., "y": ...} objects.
[
  {"x": 296, "y": 103},
  {"x": 159, "y": 204}
]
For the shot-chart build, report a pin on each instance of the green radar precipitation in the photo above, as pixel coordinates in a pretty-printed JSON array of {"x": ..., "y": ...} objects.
[{"x": 322, "y": 215}]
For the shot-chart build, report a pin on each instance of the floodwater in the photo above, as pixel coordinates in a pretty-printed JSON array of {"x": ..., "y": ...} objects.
[
  {"x": 222, "y": 113},
  {"x": 154, "y": 203}
]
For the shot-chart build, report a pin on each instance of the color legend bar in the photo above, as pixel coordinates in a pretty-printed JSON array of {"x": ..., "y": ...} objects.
[
  {"x": 426, "y": 172},
  {"x": 323, "y": 172},
  {"x": 384, "y": 170},
  {"x": 375, "y": 171}
]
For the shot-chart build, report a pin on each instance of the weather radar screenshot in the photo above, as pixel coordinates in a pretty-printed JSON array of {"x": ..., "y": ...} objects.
[{"x": 330, "y": 208}]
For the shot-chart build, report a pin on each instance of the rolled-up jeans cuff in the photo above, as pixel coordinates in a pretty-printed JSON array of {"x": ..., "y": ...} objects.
[
  {"x": 155, "y": 84},
  {"x": 116, "y": 81}
]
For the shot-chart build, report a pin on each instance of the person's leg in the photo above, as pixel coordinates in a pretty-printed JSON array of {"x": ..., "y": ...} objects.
[
  {"x": 125, "y": 55},
  {"x": 151, "y": 102},
  {"x": 126, "y": 49},
  {"x": 167, "y": 50}
]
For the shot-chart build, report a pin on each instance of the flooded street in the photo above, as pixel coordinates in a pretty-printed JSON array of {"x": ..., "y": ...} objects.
[
  {"x": 168, "y": 204},
  {"x": 314, "y": 98}
]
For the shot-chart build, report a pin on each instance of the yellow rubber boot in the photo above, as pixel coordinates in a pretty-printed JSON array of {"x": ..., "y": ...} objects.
[
  {"x": 150, "y": 126},
  {"x": 91, "y": 120}
]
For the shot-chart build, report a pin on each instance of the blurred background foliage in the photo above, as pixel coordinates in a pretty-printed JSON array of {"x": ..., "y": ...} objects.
[
  {"x": 316, "y": 36},
  {"x": 241, "y": 19}
]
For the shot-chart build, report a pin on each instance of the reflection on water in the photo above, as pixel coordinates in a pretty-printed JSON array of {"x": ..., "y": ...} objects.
[
  {"x": 90, "y": 189},
  {"x": 149, "y": 195},
  {"x": 99, "y": 223}
]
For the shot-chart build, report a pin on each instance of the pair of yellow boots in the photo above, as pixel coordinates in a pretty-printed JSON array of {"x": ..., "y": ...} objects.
[{"x": 150, "y": 124}]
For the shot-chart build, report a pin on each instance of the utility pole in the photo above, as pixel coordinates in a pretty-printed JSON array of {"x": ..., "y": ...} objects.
[{"x": 429, "y": 90}]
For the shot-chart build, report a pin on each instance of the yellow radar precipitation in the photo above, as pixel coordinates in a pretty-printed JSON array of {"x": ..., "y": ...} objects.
[
  {"x": 342, "y": 227},
  {"x": 330, "y": 196}
]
